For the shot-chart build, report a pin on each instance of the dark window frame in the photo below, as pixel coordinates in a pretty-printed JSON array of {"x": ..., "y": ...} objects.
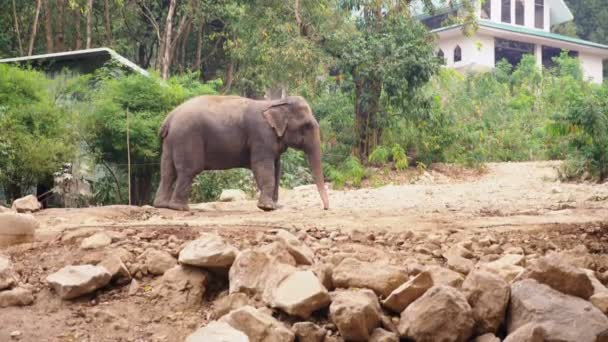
[
  {"x": 539, "y": 14},
  {"x": 520, "y": 12},
  {"x": 486, "y": 10},
  {"x": 457, "y": 54},
  {"x": 505, "y": 16}
]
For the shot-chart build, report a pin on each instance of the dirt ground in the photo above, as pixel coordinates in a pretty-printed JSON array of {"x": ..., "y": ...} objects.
[{"x": 517, "y": 204}]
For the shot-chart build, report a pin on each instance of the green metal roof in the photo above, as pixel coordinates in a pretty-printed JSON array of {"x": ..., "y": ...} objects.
[{"x": 528, "y": 31}]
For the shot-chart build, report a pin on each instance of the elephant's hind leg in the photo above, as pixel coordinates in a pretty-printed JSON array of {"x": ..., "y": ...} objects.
[{"x": 167, "y": 178}]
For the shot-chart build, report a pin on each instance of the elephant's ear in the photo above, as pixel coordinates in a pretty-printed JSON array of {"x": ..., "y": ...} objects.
[{"x": 277, "y": 116}]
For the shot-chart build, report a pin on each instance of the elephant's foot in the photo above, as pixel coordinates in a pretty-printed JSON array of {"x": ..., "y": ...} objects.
[
  {"x": 161, "y": 204},
  {"x": 178, "y": 206},
  {"x": 267, "y": 204}
]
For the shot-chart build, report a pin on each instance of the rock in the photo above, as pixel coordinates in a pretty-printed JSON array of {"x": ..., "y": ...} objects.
[
  {"x": 27, "y": 204},
  {"x": 457, "y": 262},
  {"x": 5, "y": 210},
  {"x": 158, "y": 262},
  {"x": 597, "y": 285},
  {"x": 300, "y": 294},
  {"x": 133, "y": 287},
  {"x": 441, "y": 314},
  {"x": 302, "y": 253},
  {"x": 279, "y": 253},
  {"x": 248, "y": 272},
  {"x": 488, "y": 295},
  {"x": 578, "y": 256},
  {"x": 381, "y": 335},
  {"x": 563, "y": 317},
  {"x": 72, "y": 234},
  {"x": 7, "y": 275},
  {"x": 600, "y": 300},
  {"x": 16, "y": 229},
  {"x": 324, "y": 273},
  {"x": 557, "y": 273},
  {"x": 383, "y": 279},
  {"x": 407, "y": 293},
  {"x": 208, "y": 251},
  {"x": 15, "y": 334},
  {"x": 217, "y": 332},
  {"x": 116, "y": 267},
  {"x": 356, "y": 313},
  {"x": 16, "y": 297},
  {"x": 230, "y": 302},
  {"x": 182, "y": 287},
  {"x": 530, "y": 332},
  {"x": 308, "y": 332},
  {"x": 97, "y": 240},
  {"x": 486, "y": 338},
  {"x": 233, "y": 195},
  {"x": 508, "y": 267},
  {"x": 444, "y": 276},
  {"x": 258, "y": 326},
  {"x": 74, "y": 281}
]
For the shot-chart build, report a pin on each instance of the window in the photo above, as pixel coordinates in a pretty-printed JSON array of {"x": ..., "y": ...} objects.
[
  {"x": 441, "y": 56},
  {"x": 486, "y": 9},
  {"x": 457, "y": 54},
  {"x": 549, "y": 53},
  {"x": 519, "y": 12},
  {"x": 511, "y": 50},
  {"x": 539, "y": 14},
  {"x": 435, "y": 21},
  {"x": 506, "y": 11}
]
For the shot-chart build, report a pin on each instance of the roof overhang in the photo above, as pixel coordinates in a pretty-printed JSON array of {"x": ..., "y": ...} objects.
[
  {"x": 559, "y": 11},
  {"x": 526, "y": 34},
  {"x": 95, "y": 57}
]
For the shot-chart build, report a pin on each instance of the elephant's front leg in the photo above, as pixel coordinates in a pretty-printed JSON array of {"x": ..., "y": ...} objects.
[
  {"x": 277, "y": 180},
  {"x": 264, "y": 173}
]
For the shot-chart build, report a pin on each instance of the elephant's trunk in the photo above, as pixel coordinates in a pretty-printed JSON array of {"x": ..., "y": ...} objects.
[{"x": 314, "y": 159}]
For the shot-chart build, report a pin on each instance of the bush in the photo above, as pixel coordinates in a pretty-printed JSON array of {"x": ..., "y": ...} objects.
[
  {"x": 350, "y": 173},
  {"x": 208, "y": 185},
  {"x": 37, "y": 134}
]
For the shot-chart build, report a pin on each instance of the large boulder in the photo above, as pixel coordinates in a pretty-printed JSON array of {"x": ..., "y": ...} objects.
[
  {"x": 444, "y": 276},
  {"x": 488, "y": 295},
  {"x": 233, "y": 195},
  {"x": 531, "y": 332},
  {"x": 300, "y": 252},
  {"x": 383, "y": 279},
  {"x": 563, "y": 317},
  {"x": 7, "y": 275},
  {"x": 441, "y": 314},
  {"x": 456, "y": 261},
  {"x": 27, "y": 204},
  {"x": 217, "y": 332},
  {"x": 278, "y": 251},
  {"x": 407, "y": 293},
  {"x": 507, "y": 267},
  {"x": 258, "y": 326},
  {"x": 97, "y": 240},
  {"x": 16, "y": 228},
  {"x": 208, "y": 251},
  {"x": 16, "y": 297},
  {"x": 356, "y": 313},
  {"x": 308, "y": 332},
  {"x": 300, "y": 294},
  {"x": 230, "y": 302},
  {"x": 116, "y": 267},
  {"x": 74, "y": 281},
  {"x": 552, "y": 270},
  {"x": 486, "y": 338},
  {"x": 182, "y": 288},
  {"x": 157, "y": 261}
]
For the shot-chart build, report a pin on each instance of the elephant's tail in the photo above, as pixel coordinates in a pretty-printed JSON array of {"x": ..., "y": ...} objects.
[{"x": 164, "y": 128}]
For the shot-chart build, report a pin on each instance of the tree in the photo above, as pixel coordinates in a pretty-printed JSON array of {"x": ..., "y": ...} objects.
[
  {"x": 89, "y": 11},
  {"x": 34, "y": 28}
]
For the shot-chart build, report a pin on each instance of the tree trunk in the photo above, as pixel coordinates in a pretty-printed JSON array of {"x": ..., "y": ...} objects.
[
  {"x": 34, "y": 28},
  {"x": 229, "y": 76},
  {"x": 17, "y": 32},
  {"x": 89, "y": 23},
  {"x": 184, "y": 48},
  {"x": 108, "y": 22},
  {"x": 166, "y": 54},
  {"x": 367, "y": 106},
  {"x": 48, "y": 27},
  {"x": 78, "y": 39},
  {"x": 59, "y": 36},
  {"x": 199, "y": 48}
]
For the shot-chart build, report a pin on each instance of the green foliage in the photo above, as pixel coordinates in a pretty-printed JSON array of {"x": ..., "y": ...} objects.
[
  {"x": 208, "y": 185},
  {"x": 294, "y": 169},
  {"x": 380, "y": 156},
  {"x": 350, "y": 173},
  {"x": 37, "y": 136},
  {"x": 400, "y": 158}
]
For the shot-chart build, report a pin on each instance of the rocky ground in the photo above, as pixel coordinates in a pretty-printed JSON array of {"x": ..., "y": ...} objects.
[{"x": 448, "y": 255}]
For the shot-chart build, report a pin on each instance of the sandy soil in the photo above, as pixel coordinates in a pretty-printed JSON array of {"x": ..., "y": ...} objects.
[{"x": 518, "y": 204}]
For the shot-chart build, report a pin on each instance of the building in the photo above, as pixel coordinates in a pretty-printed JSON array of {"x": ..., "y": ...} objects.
[{"x": 510, "y": 29}]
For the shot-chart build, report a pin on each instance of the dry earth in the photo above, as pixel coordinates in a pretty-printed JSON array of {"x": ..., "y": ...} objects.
[{"x": 517, "y": 204}]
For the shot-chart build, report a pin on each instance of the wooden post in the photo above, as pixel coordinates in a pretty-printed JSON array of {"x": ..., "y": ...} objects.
[{"x": 128, "y": 157}]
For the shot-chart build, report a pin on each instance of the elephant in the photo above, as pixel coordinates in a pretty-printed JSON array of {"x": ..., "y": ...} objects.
[{"x": 225, "y": 132}]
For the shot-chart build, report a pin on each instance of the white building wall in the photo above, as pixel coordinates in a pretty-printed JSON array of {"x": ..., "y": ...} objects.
[
  {"x": 477, "y": 50},
  {"x": 529, "y": 13},
  {"x": 592, "y": 66}
]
